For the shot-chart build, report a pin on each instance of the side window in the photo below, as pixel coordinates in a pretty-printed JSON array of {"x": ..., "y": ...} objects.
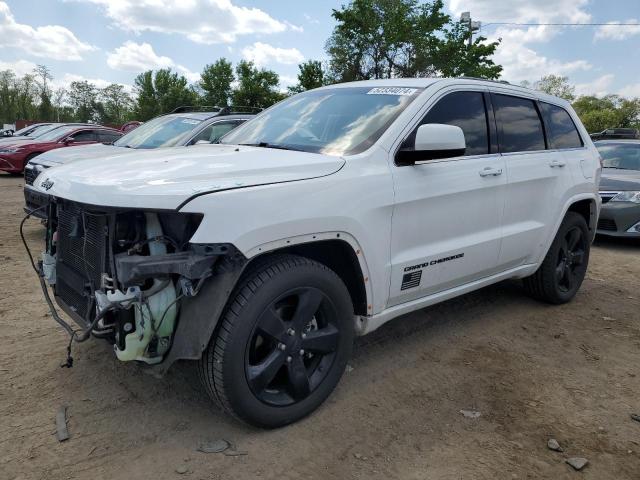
[
  {"x": 84, "y": 136},
  {"x": 560, "y": 127},
  {"x": 108, "y": 137},
  {"x": 212, "y": 133},
  {"x": 520, "y": 124},
  {"x": 467, "y": 111}
]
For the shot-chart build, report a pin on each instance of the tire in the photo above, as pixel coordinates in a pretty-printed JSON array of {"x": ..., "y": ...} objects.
[
  {"x": 564, "y": 267},
  {"x": 282, "y": 343}
]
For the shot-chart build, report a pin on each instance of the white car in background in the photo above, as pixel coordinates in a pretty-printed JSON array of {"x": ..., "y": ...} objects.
[{"x": 324, "y": 217}]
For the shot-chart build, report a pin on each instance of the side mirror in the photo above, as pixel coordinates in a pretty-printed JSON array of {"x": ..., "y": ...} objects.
[
  {"x": 433, "y": 141},
  {"x": 69, "y": 140}
]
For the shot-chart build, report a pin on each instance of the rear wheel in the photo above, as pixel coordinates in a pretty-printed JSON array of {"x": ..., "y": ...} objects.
[
  {"x": 561, "y": 274},
  {"x": 283, "y": 342}
]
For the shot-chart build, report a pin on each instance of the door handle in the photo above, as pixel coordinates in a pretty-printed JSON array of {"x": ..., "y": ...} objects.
[
  {"x": 557, "y": 163},
  {"x": 490, "y": 172}
]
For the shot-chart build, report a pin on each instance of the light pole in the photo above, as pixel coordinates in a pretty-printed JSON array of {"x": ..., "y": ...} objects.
[{"x": 465, "y": 18}]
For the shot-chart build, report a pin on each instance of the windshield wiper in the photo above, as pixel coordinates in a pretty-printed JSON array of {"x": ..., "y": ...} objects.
[{"x": 278, "y": 146}]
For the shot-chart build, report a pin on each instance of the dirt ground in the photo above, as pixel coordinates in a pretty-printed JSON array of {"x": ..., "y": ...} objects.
[{"x": 532, "y": 371}]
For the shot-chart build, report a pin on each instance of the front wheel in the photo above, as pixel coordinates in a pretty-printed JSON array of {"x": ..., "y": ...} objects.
[
  {"x": 282, "y": 344},
  {"x": 561, "y": 274}
]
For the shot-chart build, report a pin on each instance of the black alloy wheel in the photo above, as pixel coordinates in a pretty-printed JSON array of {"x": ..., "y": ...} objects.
[{"x": 282, "y": 344}]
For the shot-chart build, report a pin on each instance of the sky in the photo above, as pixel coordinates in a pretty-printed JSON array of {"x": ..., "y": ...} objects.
[{"x": 111, "y": 41}]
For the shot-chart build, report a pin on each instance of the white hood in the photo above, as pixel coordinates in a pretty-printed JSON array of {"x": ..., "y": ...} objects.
[
  {"x": 60, "y": 156},
  {"x": 166, "y": 178}
]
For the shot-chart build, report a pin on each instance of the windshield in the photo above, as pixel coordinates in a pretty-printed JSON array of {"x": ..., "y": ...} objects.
[
  {"x": 624, "y": 156},
  {"x": 336, "y": 121},
  {"x": 165, "y": 131},
  {"x": 56, "y": 133},
  {"x": 27, "y": 130},
  {"x": 41, "y": 130}
]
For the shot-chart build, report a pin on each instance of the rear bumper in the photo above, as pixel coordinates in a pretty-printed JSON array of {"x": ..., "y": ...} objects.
[
  {"x": 618, "y": 218},
  {"x": 33, "y": 200}
]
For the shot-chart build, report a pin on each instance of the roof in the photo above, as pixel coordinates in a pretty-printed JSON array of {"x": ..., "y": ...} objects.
[{"x": 621, "y": 141}]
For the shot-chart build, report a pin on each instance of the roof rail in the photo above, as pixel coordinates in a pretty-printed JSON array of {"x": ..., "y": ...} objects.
[
  {"x": 195, "y": 108},
  {"x": 503, "y": 82},
  {"x": 238, "y": 109}
]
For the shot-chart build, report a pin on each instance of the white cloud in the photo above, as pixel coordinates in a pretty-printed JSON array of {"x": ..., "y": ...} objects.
[
  {"x": 139, "y": 57},
  {"x": 632, "y": 90},
  {"x": 614, "y": 31},
  {"x": 521, "y": 62},
  {"x": 264, "y": 54},
  {"x": 20, "y": 67},
  {"x": 202, "y": 21},
  {"x": 50, "y": 41},
  {"x": 311, "y": 19},
  {"x": 599, "y": 87},
  {"x": 523, "y": 11},
  {"x": 516, "y": 53}
]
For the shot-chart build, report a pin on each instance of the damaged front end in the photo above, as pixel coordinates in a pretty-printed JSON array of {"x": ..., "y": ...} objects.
[{"x": 126, "y": 275}]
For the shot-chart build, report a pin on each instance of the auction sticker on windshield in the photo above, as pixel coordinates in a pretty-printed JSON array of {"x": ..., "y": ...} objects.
[{"x": 392, "y": 91}]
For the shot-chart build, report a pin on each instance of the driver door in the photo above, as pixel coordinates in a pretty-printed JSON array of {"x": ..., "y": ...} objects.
[{"x": 447, "y": 218}]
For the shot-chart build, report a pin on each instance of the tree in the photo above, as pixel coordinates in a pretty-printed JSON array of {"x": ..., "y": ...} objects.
[
  {"x": 161, "y": 92},
  {"x": 216, "y": 80},
  {"x": 556, "y": 85},
  {"x": 610, "y": 111},
  {"x": 117, "y": 104},
  {"x": 45, "y": 109},
  {"x": 256, "y": 87},
  {"x": 83, "y": 97},
  {"x": 456, "y": 58},
  {"x": 404, "y": 38},
  {"x": 311, "y": 75}
]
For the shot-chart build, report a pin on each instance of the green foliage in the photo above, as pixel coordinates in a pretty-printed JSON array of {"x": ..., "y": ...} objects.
[
  {"x": 161, "y": 92},
  {"x": 116, "y": 105},
  {"x": 216, "y": 80},
  {"x": 83, "y": 97},
  {"x": 256, "y": 87},
  {"x": 311, "y": 75},
  {"x": 611, "y": 111},
  {"x": 556, "y": 85},
  {"x": 404, "y": 38}
]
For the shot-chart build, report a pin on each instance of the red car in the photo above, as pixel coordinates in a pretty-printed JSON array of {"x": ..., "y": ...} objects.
[{"x": 15, "y": 154}]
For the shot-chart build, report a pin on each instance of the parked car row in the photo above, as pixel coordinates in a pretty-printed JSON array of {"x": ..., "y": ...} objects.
[
  {"x": 16, "y": 152},
  {"x": 182, "y": 128}
]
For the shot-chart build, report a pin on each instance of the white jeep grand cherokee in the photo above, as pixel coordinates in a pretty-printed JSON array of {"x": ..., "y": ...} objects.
[{"x": 322, "y": 218}]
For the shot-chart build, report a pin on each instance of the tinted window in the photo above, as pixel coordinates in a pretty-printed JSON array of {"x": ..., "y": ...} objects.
[
  {"x": 560, "y": 127},
  {"x": 84, "y": 136},
  {"x": 465, "y": 110},
  {"x": 520, "y": 124},
  {"x": 214, "y": 132},
  {"x": 108, "y": 137}
]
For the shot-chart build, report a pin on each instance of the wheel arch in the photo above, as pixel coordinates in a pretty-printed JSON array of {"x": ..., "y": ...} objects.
[
  {"x": 585, "y": 204},
  {"x": 339, "y": 251}
]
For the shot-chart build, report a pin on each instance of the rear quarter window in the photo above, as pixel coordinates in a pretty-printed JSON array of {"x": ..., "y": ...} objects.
[
  {"x": 561, "y": 130},
  {"x": 519, "y": 124}
]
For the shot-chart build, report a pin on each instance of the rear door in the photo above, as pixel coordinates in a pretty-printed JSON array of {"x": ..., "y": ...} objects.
[
  {"x": 538, "y": 179},
  {"x": 447, "y": 218}
]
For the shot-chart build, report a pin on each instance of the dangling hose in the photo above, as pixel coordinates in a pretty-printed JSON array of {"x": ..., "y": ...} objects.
[{"x": 73, "y": 334}]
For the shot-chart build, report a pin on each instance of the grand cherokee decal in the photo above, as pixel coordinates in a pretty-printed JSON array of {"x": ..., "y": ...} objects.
[{"x": 411, "y": 280}]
